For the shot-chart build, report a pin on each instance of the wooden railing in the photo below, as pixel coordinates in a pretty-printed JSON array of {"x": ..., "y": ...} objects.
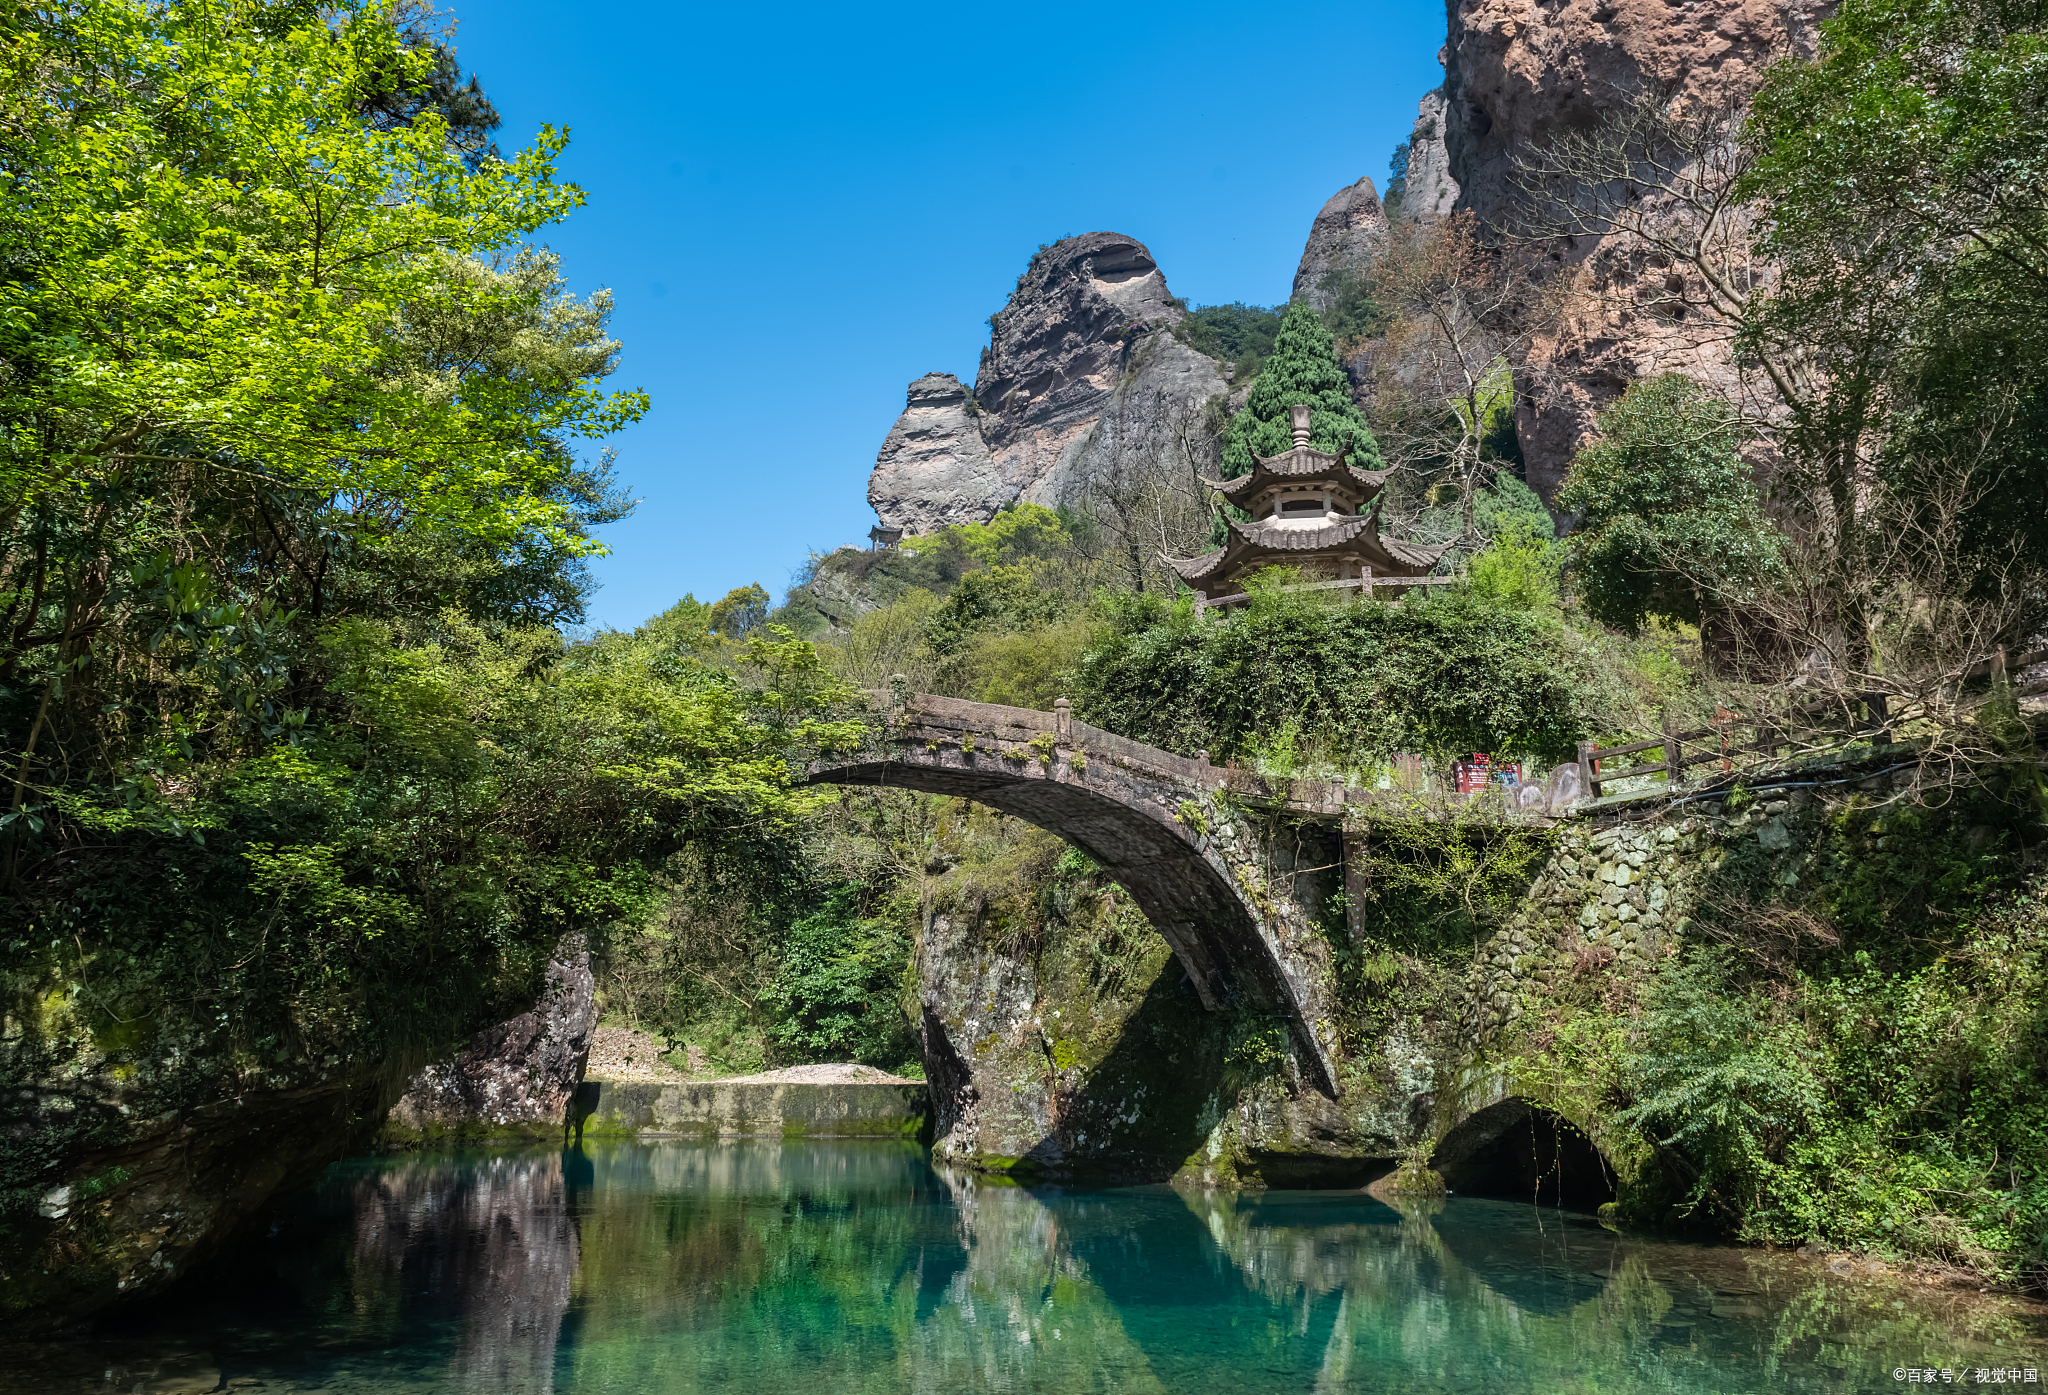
[
  {"x": 1349, "y": 583},
  {"x": 1775, "y": 731}
]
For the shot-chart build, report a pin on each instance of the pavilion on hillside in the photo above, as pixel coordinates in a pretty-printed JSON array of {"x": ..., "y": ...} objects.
[{"x": 1311, "y": 510}]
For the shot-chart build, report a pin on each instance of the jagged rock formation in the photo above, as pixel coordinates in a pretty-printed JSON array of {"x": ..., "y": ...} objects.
[
  {"x": 517, "y": 1076},
  {"x": 1428, "y": 189},
  {"x": 1348, "y": 230},
  {"x": 1518, "y": 73},
  {"x": 1083, "y": 339},
  {"x": 934, "y": 469}
]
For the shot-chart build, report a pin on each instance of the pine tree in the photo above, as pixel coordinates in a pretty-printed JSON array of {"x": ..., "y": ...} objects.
[{"x": 1303, "y": 368}]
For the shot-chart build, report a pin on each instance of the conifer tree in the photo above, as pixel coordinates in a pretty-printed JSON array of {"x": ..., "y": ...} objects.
[{"x": 1303, "y": 368}]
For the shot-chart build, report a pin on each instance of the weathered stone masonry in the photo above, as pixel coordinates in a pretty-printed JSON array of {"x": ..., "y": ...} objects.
[{"x": 1036, "y": 1066}]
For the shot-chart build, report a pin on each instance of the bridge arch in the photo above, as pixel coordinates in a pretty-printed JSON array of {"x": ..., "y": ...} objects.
[
  {"x": 1510, "y": 1145},
  {"x": 1138, "y": 812}
]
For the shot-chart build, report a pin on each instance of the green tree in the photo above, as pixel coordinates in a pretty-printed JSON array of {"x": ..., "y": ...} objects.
[
  {"x": 216, "y": 259},
  {"x": 1670, "y": 522},
  {"x": 743, "y": 611},
  {"x": 1914, "y": 282},
  {"x": 1303, "y": 368}
]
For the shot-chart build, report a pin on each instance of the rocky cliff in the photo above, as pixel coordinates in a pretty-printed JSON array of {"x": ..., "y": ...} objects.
[
  {"x": 1346, "y": 232},
  {"x": 1519, "y": 72},
  {"x": 158, "y": 1152},
  {"x": 516, "y": 1077},
  {"x": 1082, "y": 341},
  {"x": 1429, "y": 190}
]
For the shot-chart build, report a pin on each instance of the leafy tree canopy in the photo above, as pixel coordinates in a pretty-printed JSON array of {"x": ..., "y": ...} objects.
[
  {"x": 1303, "y": 368},
  {"x": 218, "y": 257},
  {"x": 1669, "y": 517}
]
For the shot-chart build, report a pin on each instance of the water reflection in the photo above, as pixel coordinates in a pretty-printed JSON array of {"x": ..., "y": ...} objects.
[
  {"x": 488, "y": 1245},
  {"x": 758, "y": 1266}
]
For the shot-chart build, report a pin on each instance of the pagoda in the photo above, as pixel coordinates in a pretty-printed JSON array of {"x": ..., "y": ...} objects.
[{"x": 1309, "y": 509}]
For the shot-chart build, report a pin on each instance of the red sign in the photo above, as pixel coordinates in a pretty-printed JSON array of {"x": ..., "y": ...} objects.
[{"x": 1478, "y": 773}]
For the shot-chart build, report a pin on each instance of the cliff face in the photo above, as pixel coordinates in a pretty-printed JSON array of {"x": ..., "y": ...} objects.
[
  {"x": 1429, "y": 189},
  {"x": 1348, "y": 230},
  {"x": 1082, "y": 340},
  {"x": 1517, "y": 73}
]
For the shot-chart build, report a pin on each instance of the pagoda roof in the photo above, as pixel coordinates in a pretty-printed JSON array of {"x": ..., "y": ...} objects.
[
  {"x": 1253, "y": 543},
  {"x": 1301, "y": 465}
]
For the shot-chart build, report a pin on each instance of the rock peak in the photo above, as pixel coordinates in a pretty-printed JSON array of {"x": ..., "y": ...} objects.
[
  {"x": 1348, "y": 230},
  {"x": 1077, "y": 338}
]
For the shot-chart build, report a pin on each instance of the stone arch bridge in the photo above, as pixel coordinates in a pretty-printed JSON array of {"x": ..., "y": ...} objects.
[{"x": 1240, "y": 910}]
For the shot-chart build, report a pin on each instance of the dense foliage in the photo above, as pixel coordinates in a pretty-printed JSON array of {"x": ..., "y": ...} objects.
[
  {"x": 1361, "y": 682},
  {"x": 1236, "y": 333},
  {"x": 1303, "y": 369},
  {"x": 302, "y": 779},
  {"x": 1670, "y": 523},
  {"x": 1860, "y": 1061}
]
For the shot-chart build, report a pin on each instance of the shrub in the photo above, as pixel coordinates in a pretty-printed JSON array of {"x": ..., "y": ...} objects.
[
  {"x": 1447, "y": 674},
  {"x": 1670, "y": 520}
]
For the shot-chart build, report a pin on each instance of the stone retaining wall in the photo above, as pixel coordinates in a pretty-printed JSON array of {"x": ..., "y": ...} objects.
[
  {"x": 724, "y": 1108},
  {"x": 1617, "y": 898}
]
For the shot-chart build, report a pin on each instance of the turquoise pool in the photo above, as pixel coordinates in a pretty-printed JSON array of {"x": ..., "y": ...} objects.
[{"x": 825, "y": 1268}]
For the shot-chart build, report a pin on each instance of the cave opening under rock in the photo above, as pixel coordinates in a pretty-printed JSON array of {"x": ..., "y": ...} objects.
[{"x": 1517, "y": 1151}]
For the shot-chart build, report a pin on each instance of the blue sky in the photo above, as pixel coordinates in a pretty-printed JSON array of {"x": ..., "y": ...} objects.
[{"x": 802, "y": 208}]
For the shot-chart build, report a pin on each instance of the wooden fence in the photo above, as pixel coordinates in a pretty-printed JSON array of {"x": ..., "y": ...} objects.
[
  {"x": 1349, "y": 583},
  {"x": 1715, "y": 744}
]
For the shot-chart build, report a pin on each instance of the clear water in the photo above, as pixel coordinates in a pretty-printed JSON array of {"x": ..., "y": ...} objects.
[{"x": 808, "y": 1268}]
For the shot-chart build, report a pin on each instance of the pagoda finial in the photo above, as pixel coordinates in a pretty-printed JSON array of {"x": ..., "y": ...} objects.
[{"x": 1300, "y": 414}]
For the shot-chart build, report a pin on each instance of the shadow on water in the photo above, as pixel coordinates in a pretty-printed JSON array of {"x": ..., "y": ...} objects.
[{"x": 760, "y": 1266}]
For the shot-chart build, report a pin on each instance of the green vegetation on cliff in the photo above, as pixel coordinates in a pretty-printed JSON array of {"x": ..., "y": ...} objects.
[{"x": 1303, "y": 368}]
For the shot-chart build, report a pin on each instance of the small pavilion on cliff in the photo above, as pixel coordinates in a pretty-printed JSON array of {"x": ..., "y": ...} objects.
[{"x": 1311, "y": 510}]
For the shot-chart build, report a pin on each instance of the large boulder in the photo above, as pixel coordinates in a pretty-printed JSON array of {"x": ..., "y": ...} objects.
[
  {"x": 1349, "y": 229},
  {"x": 1516, "y": 75},
  {"x": 517, "y": 1077},
  {"x": 934, "y": 469}
]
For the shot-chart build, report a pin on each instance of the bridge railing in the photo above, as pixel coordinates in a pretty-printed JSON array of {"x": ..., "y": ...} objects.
[{"x": 1013, "y": 729}]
